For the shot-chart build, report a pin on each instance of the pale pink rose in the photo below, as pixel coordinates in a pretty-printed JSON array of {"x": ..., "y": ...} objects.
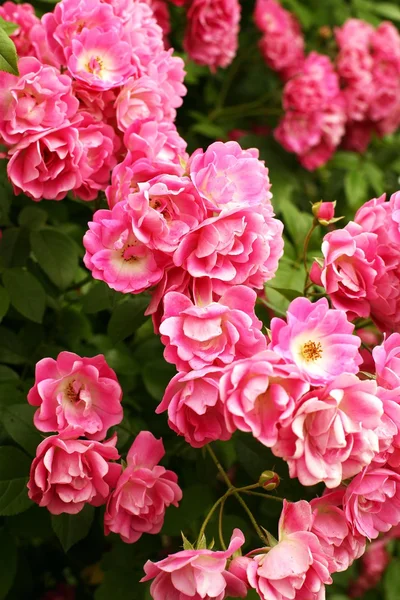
[
  {"x": 22, "y": 15},
  {"x": 351, "y": 269},
  {"x": 332, "y": 433},
  {"x": 260, "y": 394},
  {"x": 370, "y": 339},
  {"x": 196, "y": 336},
  {"x": 212, "y": 30},
  {"x": 69, "y": 473},
  {"x": 394, "y": 218},
  {"x": 196, "y": 574},
  {"x": 387, "y": 362},
  {"x": 100, "y": 149},
  {"x": 100, "y": 59},
  {"x": 142, "y": 493},
  {"x": 139, "y": 100},
  {"x": 374, "y": 563},
  {"x": 164, "y": 211},
  {"x": 76, "y": 395},
  {"x": 372, "y": 501},
  {"x": 48, "y": 164},
  {"x": 282, "y": 44},
  {"x": 153, "y": 149},
  {"x": 355, "y": 32},
  {"x": 228, "y": 177},
  {"x": 169, "y": 71},
  {"x": 341, "y": 546},
  {"x": 141, "y": 31},
  {"x": 297, "y": 566},
  {"x": 161, "y": 15},
  {"x": 237, "y": 247},
  {"x": 317, "y": 339},
  {"x": 116, "y": 256},
  {"x": 174, "y": 279},
  {"x": 39, "y": 99},
  {"x": 195, "y": 410}
]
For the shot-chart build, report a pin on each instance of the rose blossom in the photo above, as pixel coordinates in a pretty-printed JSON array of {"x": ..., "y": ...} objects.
[
  {"x": 39, "y": 99},
  {"x": 195, "y": 410},
  {"x": 331, "y": 435},
  {"x": 174, "y": 279},
  {"x": 23, "y": 15},
  {"x": 198, "y": 574},
  {"x": 297, "y": 566},
  {"x": 317, "y": 339},
  {"x": 372, "y": 501},
  {"x": 164, "y": 211},
  {"x": 374, "y": 563},
  {"x": 228, "y": 177},
  {"x": 196, "y": 336},
  {"x": 48, "y": 164},
  {"x": 169, "y": 71},
  {"x": 116, "y": 256},
  {"x": 138, "y": 100},
  {"x": 69, "y": 473},
  {"x": 387, "y": 362},
  {"x": 260, "y": 394},
  {"x": 211, "y": 36},
  {"x": 76, "y": 395},
  {"x": 142, "y": 493},
  {"x": 341, "y": 546},
  {"x": 236, "y": 247}
]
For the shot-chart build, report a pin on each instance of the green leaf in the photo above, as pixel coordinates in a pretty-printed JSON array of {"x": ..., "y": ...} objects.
[
  {"x": 4, "y": 302},
  {"x": 127, "y": 318},
  {"x": 385, "y": 9},
  {"x": 7, "y": 375},
  {"x": 297, "y": 222},
  {"x": 57, "y": 255},
  {"x": 355, "y": 186},
  {"x": 14, "y": 475},
  {"x": 18, "y": 422},
  {"x": 26, "y": 293},
  {"x": 304, "y": 15},
  {"x": 8, "y": 54},
  {"x": 345, "y": 160},
  {"x": 14, "y": 247},
  {"x": 286, "y": 293},
  {"x": 11, "y": 348},
  {"x": 156, "y": 376},
  {"x": 32, "y": 217},
  {"x": 71, "y": 529},
  {"x": 99, "y": 297},
  {"x": 8, "y": 26},
  {"x": 391, "y": 580},
  {"x": 209, "y": 130},
  {"x": 8, "y": 562},
  {"x": 375, "y": 177}
]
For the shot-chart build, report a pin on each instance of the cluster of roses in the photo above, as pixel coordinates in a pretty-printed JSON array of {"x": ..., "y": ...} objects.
[
  {"x": 80, "y": 399},
  {"x": 330, "y": 104},
  {"x": 90, "y": 72}
]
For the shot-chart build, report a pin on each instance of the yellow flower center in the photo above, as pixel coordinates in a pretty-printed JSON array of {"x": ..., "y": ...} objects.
[{"x": 311, "y": 351}]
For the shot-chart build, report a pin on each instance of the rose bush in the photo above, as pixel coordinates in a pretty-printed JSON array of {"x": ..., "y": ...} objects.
[{"x": 199, "y": 300}]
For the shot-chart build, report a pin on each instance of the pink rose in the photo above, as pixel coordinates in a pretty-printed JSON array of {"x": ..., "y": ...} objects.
[
  {"x": 372, "y": 501},
  {"x": 297, "y": 566},
  {"x": 48, "y": 164},
  {"x": 79, "y": 396},
  {"x": 169, "y": 71},
  {"x": 139, "y": 100},
  {"x": 164, "y": 211},
  {"x": 198, "y": 574},
  {"x": 317, "y": 339},
  {"x": 116, "y": 256},
  {"x": 228, "y": 177},
  {"x": 24, "y": 16},
  {"x": 197, "y": 336},
  {"x": 174, "y": 279},
  {"x": 69, "y": 473},
  {"x": 40, "y": 99},
  {"x": 332, "y": 433},
  {"x": 142, "y": 493},
  {"x": 161, "y": 14},
  {"x": 260, "y": 394},
  {"x": 355, "y": 32},
  {"x": 324, "y": 212},
  {"x": 374, "y": 563},
  {"x": 212, "y": 31},
  {"x": 387, "y": 362},
  {"x": 195, "y": 410},
  {"x": 341, "y": 546},
  {"x": 237, "y": 247}
]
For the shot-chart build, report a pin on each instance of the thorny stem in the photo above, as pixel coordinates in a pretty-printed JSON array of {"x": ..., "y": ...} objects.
[
  {"x": 235, "y": 492},
  {"x": 305, "y": 249}
]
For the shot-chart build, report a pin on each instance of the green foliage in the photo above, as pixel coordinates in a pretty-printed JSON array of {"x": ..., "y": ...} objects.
[
  {"x": 71, "y": 529},
  {"x": 8, "y": 54}
]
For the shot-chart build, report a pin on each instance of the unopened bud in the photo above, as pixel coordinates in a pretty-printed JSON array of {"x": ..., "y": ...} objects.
[
  {"x": 269, "y": 480},
  {"x": 324, "y": 212}
]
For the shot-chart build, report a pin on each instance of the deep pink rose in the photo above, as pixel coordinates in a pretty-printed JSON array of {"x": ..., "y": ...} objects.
[
  {"x": 332, "y": 434},
  {"x": 317, "y": 339},
  {"x": 372, "y": 501},
  {"x": 116, "y": 256},
  {"x": 69, "y": 473},
  {"x": 228, "y": 177},
  {"x": 211, "y": 36},
  {"x": 142, "y": 493},
  {"x": 374, "y": 563},
  {"x": 297, "y": 566},
  {"x": 22, "y": 15},
  {"x": 174, "y": 279},
  {"x": 76, "y": 395},
  {"x": 387, "y": 362},
  {"x": 194, "y": 406},
  {"x": 234, "y": 248},
  {"x": 196, "y": 574},
  {"x": 260, "y": 394},
  {"x": 217, "y": 333}
]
